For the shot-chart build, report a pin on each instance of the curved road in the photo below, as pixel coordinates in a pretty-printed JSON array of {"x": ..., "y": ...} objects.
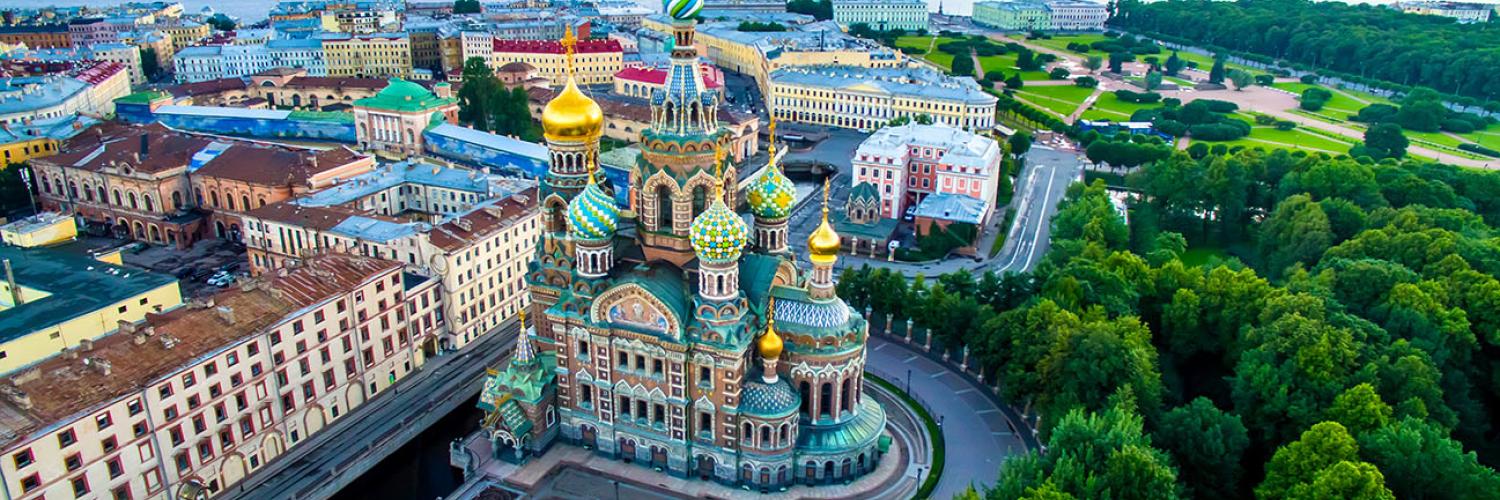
[{"x": 979, "y": 433}]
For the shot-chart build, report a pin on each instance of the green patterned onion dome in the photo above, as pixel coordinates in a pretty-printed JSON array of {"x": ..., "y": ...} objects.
[
  {"x": 682, "y": 9},
  {"x": 718, "y": 233},
  {"x": 593, "y": 214},
  {"x": 771, "y": 194}
]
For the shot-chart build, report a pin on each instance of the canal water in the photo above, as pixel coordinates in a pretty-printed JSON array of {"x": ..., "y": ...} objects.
[{"x": 419, "y": 470}]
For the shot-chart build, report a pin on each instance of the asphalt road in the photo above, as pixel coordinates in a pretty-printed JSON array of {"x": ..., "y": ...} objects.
[
  {"x": 1044, "y": 182},
  {"x": 979, "y": 434},
  {"x": 308, "y": 469}
]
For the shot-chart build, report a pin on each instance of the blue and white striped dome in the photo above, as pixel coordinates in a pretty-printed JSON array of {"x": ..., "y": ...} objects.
[{"x": 682, "y": 9}]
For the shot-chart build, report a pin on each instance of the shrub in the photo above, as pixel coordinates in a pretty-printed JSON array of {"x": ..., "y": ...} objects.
[
  {"x": 1173, "y": 128},
  {"x": 1457, "y": 126},
  {"x": 1376, "y": 113},
  {"x": 1137, "y": 97},
  {"x": 1285, "y": 125},
  {"x": 1058, "y": 73},
  {"x": 1086, "y": 81},
  {"x": 1311, "y": 105},
  {"x": 1197, "y": 150},
  {"x": 1171, "y": 102},
  {"x": 1265, "y": 80},
  {"x": 1218, "y": 106},
  {"x": 1475, "y": 148},
  {"x": 1265, "y": 120},
  {"x": 1222, "y": 131},
  {"x": 1309, "y": 78}
]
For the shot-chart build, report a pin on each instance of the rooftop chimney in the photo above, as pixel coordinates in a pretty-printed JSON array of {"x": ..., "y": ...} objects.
[
  {"x": 15, "y": 291},
  {"x": 86, "y": 345}
]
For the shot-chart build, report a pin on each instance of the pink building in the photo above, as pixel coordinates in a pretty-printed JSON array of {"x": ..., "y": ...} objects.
[{"x": 909, "y": 162}]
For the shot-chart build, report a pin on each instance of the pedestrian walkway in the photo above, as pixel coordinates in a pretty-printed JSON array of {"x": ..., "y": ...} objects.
[{"x": 980, "y": 434}]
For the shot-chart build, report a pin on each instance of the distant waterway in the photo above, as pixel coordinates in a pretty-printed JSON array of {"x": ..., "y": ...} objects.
[{"x": 249, "y": 11}]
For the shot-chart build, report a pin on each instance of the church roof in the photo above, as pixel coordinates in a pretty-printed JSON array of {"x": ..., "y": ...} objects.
[
  {"x": 402, "y": 95},
  {"x": 774, "y": 400},
  {"x": 865, "y": 428}
]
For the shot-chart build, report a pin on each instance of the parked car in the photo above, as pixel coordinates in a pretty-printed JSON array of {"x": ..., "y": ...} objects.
[{"x": 910, "y": 215}]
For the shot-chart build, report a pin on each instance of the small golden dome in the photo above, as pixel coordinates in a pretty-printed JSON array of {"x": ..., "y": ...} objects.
[
  {"x": 572, "y": 116},
  {"x": 770, "y": 343},
  {"x": 824, "y": 243}
]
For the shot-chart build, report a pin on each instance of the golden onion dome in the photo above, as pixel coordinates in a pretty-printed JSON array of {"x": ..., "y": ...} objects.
[
  {"x": 770, "y": 344},
  {"x": 572, "y": 116},
  {"x": 824, "y": 243}
]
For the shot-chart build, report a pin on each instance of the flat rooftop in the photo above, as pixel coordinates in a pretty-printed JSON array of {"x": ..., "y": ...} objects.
[
  {"x": 60, "y": 389},
  {"x": 77, "y": 285}
]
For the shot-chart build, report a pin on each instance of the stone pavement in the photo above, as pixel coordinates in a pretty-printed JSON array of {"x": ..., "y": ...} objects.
[
  {"x": 891, "y": 479},
  {"x": 980, "y": 435}
]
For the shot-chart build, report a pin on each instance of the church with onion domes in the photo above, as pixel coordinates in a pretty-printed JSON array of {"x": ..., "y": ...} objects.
[{"x": 669, "y": 332}]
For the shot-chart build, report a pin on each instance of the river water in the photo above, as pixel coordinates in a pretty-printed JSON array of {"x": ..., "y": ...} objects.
[{"x": 419, "y": 470}]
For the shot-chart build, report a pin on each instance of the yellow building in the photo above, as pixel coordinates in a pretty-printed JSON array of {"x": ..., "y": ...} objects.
[
  {"x": 758, "y": 54},
  {"x": 595, "y": 61},
  {"x": 377, "y": 55},
  {"x": 54, "y": 298},
  {"x": 43, "y": 229},
  {"x": 869, "y": 98},
  {"x": 184, "y": 33},
  {"x": 39, "y": 138}
]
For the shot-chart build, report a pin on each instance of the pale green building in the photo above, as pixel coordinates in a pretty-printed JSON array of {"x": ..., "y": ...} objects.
[{"x": 1013, "y": 16}]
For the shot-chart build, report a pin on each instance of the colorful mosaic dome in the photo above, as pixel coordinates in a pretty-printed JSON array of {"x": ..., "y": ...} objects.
[
  {"x": 772, "y": 400},
  {"x": 771, "y": 194},
  {"x": 682, "y": 9},
  {"x": 718, "y": 233},
  {"x": 593, "y": 214}
]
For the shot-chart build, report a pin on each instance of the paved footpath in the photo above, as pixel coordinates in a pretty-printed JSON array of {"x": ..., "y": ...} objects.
[{"x": 978, "y": 432}]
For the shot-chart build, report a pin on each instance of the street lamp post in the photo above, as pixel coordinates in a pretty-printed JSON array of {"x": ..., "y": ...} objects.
[
  {"x": 617, "y": 488},
  {"x": 908, "y": 380}
]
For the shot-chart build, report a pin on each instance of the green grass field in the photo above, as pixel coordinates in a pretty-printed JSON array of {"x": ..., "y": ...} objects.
[
  {"x": 1342, "y": 105},
  {"x": 1060, "y": 42},
  {"x": 940, "y": 58},
  {"x": 1063, "y": 99},
  {"x": 914, "y": 45},
  {"x": 1109, "y": 107},
  {"x": 1006, "y": 64},
  {"x": 1271, "y": 138}
]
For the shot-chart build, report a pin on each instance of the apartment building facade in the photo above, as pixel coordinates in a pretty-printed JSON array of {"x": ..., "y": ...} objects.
[{"x": 196, "y": 398}]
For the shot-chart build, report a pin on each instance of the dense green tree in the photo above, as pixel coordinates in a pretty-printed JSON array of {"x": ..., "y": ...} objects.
[
  {"x": 1324, "y": 461},
  {"x": 1152, "y": 80},
  {"x": 1419, "y": 460},
  {"x": 1093, "y": 63},
  {"x": 1216, "y": 74},
  {"x": 1174, "y": 64},
  {"x": 1208, "y": 444},
  {"x": 1383, "y": 140},
  {"x": 1089, "y": 364},
  {"x": 150, "y": 66},
  {"x": 1019, "y": 143},
  {"x": 1359, "y": 409},
  {"x": 1241, "y": 79},
  {"x": 1297, "y": 232},
  {"x": 1091, "y": 455},
  {"x": 821, "y": 10},
  {"x": 1292, "y": 370},
  {"x": 221, "y": 22}
]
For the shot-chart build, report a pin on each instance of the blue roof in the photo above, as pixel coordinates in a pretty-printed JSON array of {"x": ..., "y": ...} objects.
[
  {"x": 390, "y": 176},
  {"x": 224, "y": 112},
  {"x": 25, "y": 94},
  {"x": 492, "y": 141},
  {"x": 377, "y": 230},
  {"x": 60, "y": 128},
  {"x": 200, "y": 51},
  {"x": 952, "y": 207},
  {"x": 293, "y": 44}
]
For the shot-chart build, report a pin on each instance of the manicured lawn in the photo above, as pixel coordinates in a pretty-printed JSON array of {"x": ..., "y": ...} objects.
[
  {"x": 1006, "y": 64},
  {"x": 1060, "y": 42},
  {"x": 1488, "y": 138},
  {"x": 1438, "y": 138},
  {"x": 1109, "y": 107},
  {"x": 914, "y": 45},
  {"x": 1063, "y": 99},
  {"x": 940, "y": 58},
  {"x": 1269, "y": 138},
  {"x": 1340, "y": 106}
]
